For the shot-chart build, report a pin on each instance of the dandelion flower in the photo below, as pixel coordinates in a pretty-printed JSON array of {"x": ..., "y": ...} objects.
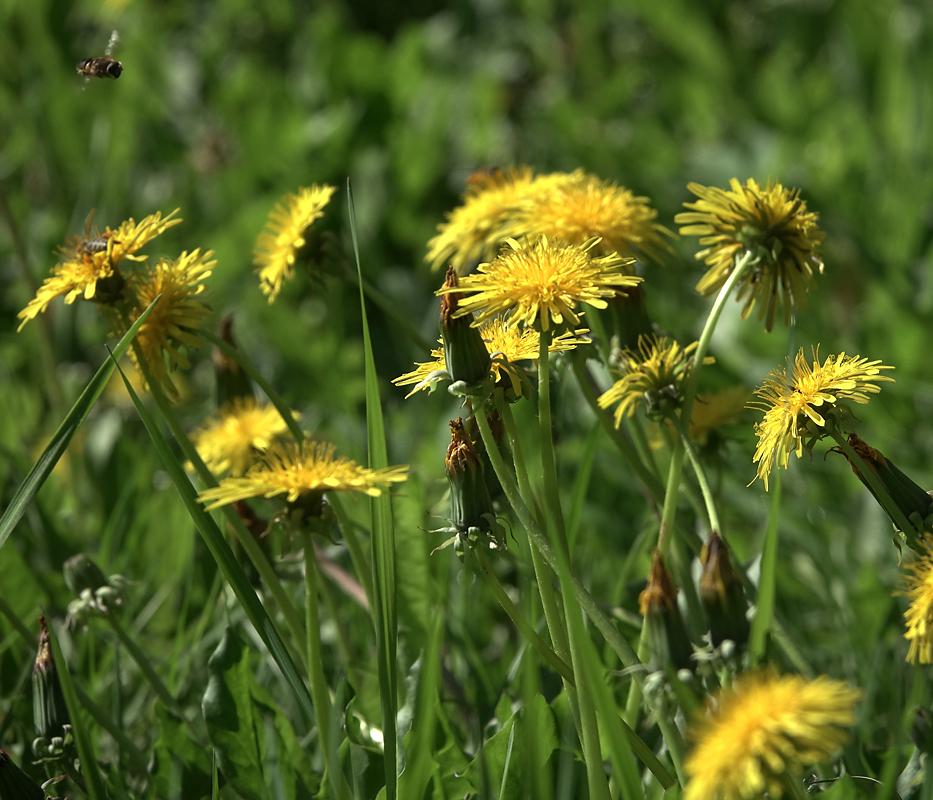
[
  {"x": 507, "y": 345},
  {"x": 176, "y": 319},
  {"x": 774, "y": 225},
  {"x": 539, "y": 284},
  {"x": 919, "y": 614},
  {"x": 85, "y": 272},
  {"x": 243, "y": 428},
  {"x": 583, "y": 207},
  {"x": 795, "y": 408},
  {"x": 765, "y": 731},
  {"x": 297, "y": 470},
  {"x": 654, "y": 376},
  {"x": 284, "y": 235},
  {"x": 475, "y": 230}
]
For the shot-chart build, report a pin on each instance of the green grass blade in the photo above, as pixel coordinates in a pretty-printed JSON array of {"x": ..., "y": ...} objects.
[
  {"x": 59, "y": 443},
  {"x": 225, "y": 559},
  {"x": 761, "y": 625},
  {"x": 581, "y": 483},
  {"x": 96, "y": 789},
  {"x": 385, "y": 610}
]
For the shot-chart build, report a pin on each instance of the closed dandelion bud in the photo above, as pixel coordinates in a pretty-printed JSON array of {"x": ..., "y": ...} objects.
[
  {"x": 471, "y": 506},
  {"x": 667, "y": 635},
  {"x": 81, "y": 573},
  {"x": 465, "y": 352},
  {"x": 232, "y": 381},
  {"x": 16, "y": 784},
  {"x": 722, "y": 594},
  {"x": 631, "y": 317},
  {"x": 906, "y": 494},
  {"x": 50, "y": 714}
]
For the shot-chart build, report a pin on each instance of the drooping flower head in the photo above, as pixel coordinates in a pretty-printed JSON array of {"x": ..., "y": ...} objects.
[
  {"x": 540, "y": 284},
  {"x": 305, "y": 470},
  {"x": 654, "y": 376},
  {"x": 797, "y": 407},
  {"x": 774, "y": 225},
  {"x": 583, "y": 207},
  {"x": 475, "y": 230},
  {"x": 89, "y": 265},
  {"x": 176, "y": 319},
  {"x": 764, "y": 731},
  {"x": 285, "y": 234},
  {"x": 507, "y": 346},
  {"x": 233, "y": 439},
  {"x": 918, "y": 588}
]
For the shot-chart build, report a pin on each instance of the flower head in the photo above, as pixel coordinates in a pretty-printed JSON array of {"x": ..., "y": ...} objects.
[
  {"x": 475, "y": 230},
  {"x": 763, "y": 731},
  {"x": 774, "y": 225},
  {"x": 89, "y": 264},
  {"x": 284, "y": 235},
  {"x": 918, "y": 587},
  {"x": 583, "y": 207},
  {"x": 176, "y": 319},
  {"x": 507, "y": 346},
  {"x": 242, "y": 429},
  {"x": 539, "y": 284},
  {"x": 654, "y": 376},
  {"x": 297, "y": 470},
  {"x": 797, "y": 409}
]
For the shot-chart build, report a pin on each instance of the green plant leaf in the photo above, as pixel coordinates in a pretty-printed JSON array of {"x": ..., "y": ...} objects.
[{"x": 181, "y": 767}]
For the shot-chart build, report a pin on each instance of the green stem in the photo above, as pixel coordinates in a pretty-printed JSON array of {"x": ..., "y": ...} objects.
[
  {"x": 700, "y": 473},
  {"x": 693, "y": 379},
  {"x": 651, "y": 481},
  {"x": 641, "y": 445},
  {"x": 669, "y": 511},
  {"x": 548, "y": 460},
  {"x": 320, "y": 693},
  {"x": 327, "y": 593},
  {"x": 521, "y": 623},
  {"x": 360, "y": 564},
  {"x": 766, "y": 583}
]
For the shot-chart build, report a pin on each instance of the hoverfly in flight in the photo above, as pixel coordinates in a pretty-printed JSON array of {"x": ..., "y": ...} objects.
[{"x": 104, "y": 66}]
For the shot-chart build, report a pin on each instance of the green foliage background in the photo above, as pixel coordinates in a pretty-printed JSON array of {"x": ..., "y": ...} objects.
[{"x": 223, "y": 107}]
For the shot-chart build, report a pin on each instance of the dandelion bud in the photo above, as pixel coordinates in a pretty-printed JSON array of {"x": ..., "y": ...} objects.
[
  {"x": 81, "y": 573},
  {"x": 667, "y": 634},
  {"x": 722, "y": 594},
  {"x": 469, "y": 497},
  {"x": 465, "y": 352},
  {"x": 16, "y": 784},
  {"x": 232, "y": 381},
  {"x": 50, "y": 714}
]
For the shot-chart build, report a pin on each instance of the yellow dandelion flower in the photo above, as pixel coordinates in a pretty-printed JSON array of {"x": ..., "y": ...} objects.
[
  {"x": 793, "y": 420},
  {"x": 506, "y": 344},
  {"x": 243, "y": 428},
  {"x": 774, "y": 225},
  {"x": 654, "y": 376},
  {"x": 298, "y": 470},
  {"x": 89, "y": 264},
  {"x": 540, "y": 283},
  {"x": 475, "y": 230},
  {"x": 919, "y": 615},
  {"x": 584, "y": 207},
  {"x": 177, "y": 318},
  {"x": 765, "y": 731},
  {"x": 284, "y": 235}
]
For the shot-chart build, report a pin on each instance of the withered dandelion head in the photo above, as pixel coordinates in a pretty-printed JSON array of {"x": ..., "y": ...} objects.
[
  {"x": 176, "y": 318},
  {"x": 233, "y": 439},
  {"x": 653, "y": 376},
  {"x": 89, "y": 265},
  {"x": 918, "y": 588},
  {"x": 773, "y": 224},
  {"x": 797, "y": 408},
  {"x": 475, "y": 230},
  {"x": 583, "y": 207},
  {"x": 296, "y": 470},
  {"x": 507, "y": 345},
  {"x": 278, "y": 245},
  {"x": 539, "y": 284},
  {"x": 765, "y": 731}
]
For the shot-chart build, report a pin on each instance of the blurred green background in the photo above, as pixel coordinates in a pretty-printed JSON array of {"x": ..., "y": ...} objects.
[{"x": 225, "y": 106}]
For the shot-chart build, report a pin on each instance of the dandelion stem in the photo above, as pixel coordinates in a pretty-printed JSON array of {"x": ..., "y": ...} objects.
[
  {"x": 700, "y": 473},
  {"x": 766, "y": 584},
  {"x": 669, "y": 510},
  {"x": 521, "y": 623},
  {"x": 357, "y": 556},
  {"x": 548, "y": 462}
]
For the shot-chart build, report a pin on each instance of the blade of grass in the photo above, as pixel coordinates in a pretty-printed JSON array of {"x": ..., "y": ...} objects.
[
  {"x": 57, "y": 446},
  {"x": 383, "y": 545},
  {"x": 225, "y": 559},
  {"x": 581, "y": 483},
  {"x": 90, "y": 770}
]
